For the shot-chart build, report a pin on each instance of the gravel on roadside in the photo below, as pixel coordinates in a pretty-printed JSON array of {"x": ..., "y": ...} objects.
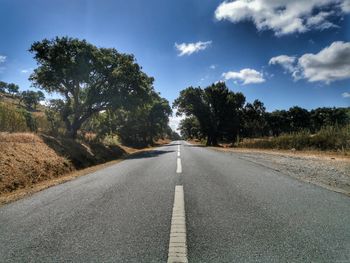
[{"x": 325, "y": 171}]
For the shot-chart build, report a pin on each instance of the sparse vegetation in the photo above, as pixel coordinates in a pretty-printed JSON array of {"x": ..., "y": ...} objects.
[{"x": 331, "y": 138}]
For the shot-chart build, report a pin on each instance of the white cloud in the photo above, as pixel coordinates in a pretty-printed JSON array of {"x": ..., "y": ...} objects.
[
  {"x": 2, "y": 59},
  {"x": 245, "y": 76},
  {"x": 283, "y": 16},
  {"x": 212, "y": 66},
  {"x": 25, "y": 71},
  {"x": 346, "y": 95},
  {"x": 190, "y": 48},
  {"x": 286, "y": 62},
  {"x": 174, "y": 121},
  {"x": 330, "y": 64}
]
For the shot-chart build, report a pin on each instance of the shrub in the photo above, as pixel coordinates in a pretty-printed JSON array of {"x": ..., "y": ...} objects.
[
  {"x": 334, "y": 138},
  {"x": 12, "y": 119}
]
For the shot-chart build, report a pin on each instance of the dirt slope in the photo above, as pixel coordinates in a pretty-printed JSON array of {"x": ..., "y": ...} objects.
[{"x": 26, "y": 158}]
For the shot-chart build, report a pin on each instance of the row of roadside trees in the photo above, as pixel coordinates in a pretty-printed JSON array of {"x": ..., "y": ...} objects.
[{"x": 217, "y": 114}]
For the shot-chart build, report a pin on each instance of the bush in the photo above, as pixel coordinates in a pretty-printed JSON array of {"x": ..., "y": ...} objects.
[
  {"x": 12, "y": 119},
  {"x": 333, "y": 138},
  {"x": 30, "y": 121}
]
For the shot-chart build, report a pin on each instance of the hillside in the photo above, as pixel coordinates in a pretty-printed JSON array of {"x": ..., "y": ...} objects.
[{"x": 26, "y": 158}]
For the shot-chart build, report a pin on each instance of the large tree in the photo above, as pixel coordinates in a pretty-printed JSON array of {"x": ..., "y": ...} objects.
[
  {"x": 299, "y": 119},
  {"x": 89, "y": 79},
  {"x": 145, "y": 123},
  {"x": 189, "y": 128},
  {"x": 216, "y": 108},
  {"x": 31, "y": 98},
  {"x": 254, "y": 115}
]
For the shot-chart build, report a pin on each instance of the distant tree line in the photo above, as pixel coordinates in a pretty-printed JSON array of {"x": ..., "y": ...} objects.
[
  {"x": 30, "y": 98},
  {"x": 217, "y": 114}
]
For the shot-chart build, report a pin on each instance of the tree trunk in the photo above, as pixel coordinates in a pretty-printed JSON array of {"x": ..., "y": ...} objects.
[
  {"x": 212, "y": 140},
  {"x": 72, "y": 132}
]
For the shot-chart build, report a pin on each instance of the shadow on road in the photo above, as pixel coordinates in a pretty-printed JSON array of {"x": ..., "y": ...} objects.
[
  {"x": 148, "y": 154},
  {"x": 195, "y": 145}
]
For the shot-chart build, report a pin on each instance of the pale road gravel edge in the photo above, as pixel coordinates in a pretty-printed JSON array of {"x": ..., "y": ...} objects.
[{"x": 327, "y": 172}]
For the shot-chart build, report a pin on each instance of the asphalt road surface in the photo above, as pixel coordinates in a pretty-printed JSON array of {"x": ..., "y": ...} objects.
[{"x": 224, "y": 209}]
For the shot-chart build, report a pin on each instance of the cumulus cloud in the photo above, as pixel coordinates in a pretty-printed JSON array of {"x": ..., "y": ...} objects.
[
  {"x": 190, "y": 48},
  {"x": 2, "y": 59},
  {"x": 346, "y": 95},
  {"x": 245, "y": 76},
  {"x": 330, "y": 64},
  {"x": 284, "y": 16},
  {"x": 287, "y": 62}
]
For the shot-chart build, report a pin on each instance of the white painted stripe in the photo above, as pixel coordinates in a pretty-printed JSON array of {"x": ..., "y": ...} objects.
[
  {"x": 177, "y": 243},
  {"x": 179, "y": 166},
  {"x": 178, "y": 154},
  {"x": 178, "y": 148}
]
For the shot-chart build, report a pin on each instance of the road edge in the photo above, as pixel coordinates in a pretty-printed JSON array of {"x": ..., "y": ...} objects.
[{"x": 28, "y": 191}]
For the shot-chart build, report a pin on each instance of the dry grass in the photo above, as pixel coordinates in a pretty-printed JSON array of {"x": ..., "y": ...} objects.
[
  {"x": 25, "y": 159},
  {"x": 30, "y": 163},
  {"x": 33, "y": 188}
]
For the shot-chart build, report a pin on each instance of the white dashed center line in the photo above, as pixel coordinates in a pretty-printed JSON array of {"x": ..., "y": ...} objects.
[
  {"x": 179, "y": 166},
  {"x": 177, "y": 243}
]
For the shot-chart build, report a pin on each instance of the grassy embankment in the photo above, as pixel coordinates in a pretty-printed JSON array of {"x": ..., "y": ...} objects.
[{"x": 32, "y": 160}]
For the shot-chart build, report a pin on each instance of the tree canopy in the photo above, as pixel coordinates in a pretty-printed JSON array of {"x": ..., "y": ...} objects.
[
  {"x": 216, "y": 108},
  {"x": 90, "y": 79}
]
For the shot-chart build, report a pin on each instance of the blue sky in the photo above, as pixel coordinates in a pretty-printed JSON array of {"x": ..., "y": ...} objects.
[{"x": 236, "y": 41}]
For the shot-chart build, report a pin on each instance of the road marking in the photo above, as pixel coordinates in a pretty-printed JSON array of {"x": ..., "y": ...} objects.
[
  {"x": 178, "y": 154},
  {"x": 177, "y": 243},
  {"x": 178, "y": 148},
  {"x": 179, "y": 166}
]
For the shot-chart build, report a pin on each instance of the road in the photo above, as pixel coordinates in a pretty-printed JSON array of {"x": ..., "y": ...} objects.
[{"x": 224, "y": 209}]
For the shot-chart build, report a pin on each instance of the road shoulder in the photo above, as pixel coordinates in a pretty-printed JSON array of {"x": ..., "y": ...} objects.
[{"x": 327, "y": 170}]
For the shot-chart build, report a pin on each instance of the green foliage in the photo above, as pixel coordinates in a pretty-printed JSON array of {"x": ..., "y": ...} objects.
[
  {"x": 190, "y": 128},
  {"x": 12, "y": 88},
  {"x": 30, "y": 121},
  {"x": 53, "y": 116},
  {"x": 144, "y": 124},
  {"x": 254, "y": 119},
  {"x": 322, "y": 117},
  {"x": 216, "y": 108},
  {"x": 31, "y": 98},
  {"x": 90, "y": 79},
  {"x": 9, "y": 87},
  {"x": 12, "y": 119},
  {"x": 332, "y": 138},
  {"x": 3, "y": 86}
]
